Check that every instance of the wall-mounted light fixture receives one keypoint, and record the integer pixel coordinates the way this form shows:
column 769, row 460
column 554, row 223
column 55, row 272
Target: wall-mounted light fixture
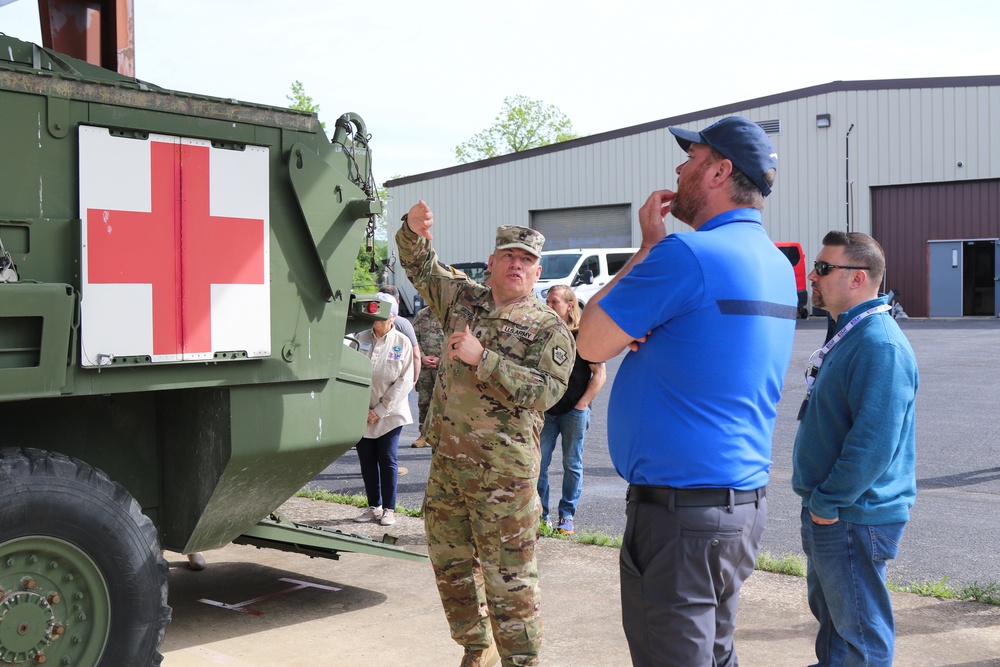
column 823, row 120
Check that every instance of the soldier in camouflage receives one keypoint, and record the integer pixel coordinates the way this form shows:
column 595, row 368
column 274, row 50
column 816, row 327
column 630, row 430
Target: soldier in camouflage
column 430, row 336
column 507, row 359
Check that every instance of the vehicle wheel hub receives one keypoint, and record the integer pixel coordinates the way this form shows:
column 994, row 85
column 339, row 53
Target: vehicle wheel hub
column 26, row 624
column 54, row 604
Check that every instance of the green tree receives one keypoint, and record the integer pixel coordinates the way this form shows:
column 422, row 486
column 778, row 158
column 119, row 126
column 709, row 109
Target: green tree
column 523, row 123
column 302, row 102
column 363, row 275
column 366, row 282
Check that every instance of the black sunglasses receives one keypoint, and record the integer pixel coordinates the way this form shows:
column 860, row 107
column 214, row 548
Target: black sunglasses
column 823, row 268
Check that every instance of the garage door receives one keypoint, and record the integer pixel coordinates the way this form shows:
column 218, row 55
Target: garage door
column 905, row 218
column 585, row 227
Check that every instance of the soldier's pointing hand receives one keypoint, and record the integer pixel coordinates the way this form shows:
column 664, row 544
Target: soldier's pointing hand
column 420, row 220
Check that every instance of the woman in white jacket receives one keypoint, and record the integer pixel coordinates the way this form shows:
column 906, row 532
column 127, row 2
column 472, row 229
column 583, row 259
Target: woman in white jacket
column 388, row 411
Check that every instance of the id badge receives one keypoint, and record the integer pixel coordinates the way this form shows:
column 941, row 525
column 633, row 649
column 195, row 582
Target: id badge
column 802, row 408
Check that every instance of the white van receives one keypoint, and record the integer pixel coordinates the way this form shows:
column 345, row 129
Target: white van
column 586, row 270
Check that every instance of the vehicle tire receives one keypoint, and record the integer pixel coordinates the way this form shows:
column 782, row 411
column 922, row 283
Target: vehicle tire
column 83, row 579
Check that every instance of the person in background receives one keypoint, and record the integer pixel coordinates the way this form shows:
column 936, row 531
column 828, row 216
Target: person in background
column 430, row 336
column 709, row 317
column 404, row 325
column 507, row 359
column 388, row 411
column 569, row 418
column 854, row 460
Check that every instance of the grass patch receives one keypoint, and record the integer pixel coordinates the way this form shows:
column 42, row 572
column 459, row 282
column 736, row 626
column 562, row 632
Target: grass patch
column 583, row 537
column 795, row 565
column 792, row 564
column 976, row 592
column 355, row 500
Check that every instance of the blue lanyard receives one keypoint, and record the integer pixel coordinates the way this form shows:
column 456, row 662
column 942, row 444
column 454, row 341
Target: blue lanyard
column 814, row 364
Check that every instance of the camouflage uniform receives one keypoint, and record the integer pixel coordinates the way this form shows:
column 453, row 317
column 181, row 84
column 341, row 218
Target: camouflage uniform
column 430, row 336
column 481, row 510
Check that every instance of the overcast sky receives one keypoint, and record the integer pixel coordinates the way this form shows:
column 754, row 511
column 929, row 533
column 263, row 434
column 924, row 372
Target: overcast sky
column 428, row 75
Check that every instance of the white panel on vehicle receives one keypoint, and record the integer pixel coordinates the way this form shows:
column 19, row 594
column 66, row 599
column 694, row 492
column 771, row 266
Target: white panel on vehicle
column 175, row 249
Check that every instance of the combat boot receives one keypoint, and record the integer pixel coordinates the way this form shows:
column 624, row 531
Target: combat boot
column 481, row 658
column 421, row 442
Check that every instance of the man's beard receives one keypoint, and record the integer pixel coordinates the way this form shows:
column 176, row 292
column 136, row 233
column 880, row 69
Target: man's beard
column 690, row 198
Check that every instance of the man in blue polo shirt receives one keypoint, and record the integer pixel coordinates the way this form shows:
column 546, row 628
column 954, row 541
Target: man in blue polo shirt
column 709, row 318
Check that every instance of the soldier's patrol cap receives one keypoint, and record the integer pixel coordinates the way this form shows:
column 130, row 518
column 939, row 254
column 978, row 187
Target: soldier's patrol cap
column 512, row 236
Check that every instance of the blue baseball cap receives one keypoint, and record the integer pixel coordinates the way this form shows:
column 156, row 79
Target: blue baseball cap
column 741, row 141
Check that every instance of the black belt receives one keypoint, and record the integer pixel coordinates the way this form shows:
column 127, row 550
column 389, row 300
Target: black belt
column 671, row 497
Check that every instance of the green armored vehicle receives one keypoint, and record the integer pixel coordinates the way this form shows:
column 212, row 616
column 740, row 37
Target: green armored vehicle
column 175, row 289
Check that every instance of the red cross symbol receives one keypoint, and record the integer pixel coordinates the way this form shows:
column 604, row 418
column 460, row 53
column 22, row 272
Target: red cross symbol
column 178, row 248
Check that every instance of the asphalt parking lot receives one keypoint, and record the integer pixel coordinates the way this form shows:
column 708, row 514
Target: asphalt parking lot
column 951, row 535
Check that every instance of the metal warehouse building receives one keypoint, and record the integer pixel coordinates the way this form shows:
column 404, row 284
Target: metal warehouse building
column 913, row 162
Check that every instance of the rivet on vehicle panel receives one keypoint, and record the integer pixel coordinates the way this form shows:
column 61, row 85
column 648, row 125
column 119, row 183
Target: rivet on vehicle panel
column 55, row 598
column 28, row 583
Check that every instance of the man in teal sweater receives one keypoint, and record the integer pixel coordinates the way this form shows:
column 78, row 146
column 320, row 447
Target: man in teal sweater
column 854, row 456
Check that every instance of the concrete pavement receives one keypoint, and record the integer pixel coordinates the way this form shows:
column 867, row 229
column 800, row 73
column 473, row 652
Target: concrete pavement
column 367, row 611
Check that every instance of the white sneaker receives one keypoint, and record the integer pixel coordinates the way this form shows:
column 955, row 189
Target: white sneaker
column 370, row 514
column 388, row 518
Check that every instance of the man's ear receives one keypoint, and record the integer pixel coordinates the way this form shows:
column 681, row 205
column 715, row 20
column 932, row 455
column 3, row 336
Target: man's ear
column 489, row 263
column 859, row 279
column 723, row 169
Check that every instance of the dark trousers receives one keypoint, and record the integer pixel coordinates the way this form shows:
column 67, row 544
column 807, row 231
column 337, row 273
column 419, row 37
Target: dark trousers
column 379, row 469
column 681, row 573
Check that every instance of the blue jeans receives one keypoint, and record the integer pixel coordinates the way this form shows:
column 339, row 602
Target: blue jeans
column 572, row 426
column 379, row 469
column 847, row 593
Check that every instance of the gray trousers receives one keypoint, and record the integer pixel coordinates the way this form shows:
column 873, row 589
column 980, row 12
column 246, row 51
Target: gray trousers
column 681, row 573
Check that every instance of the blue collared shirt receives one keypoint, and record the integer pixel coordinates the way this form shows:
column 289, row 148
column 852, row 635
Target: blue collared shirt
column 695, row 406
